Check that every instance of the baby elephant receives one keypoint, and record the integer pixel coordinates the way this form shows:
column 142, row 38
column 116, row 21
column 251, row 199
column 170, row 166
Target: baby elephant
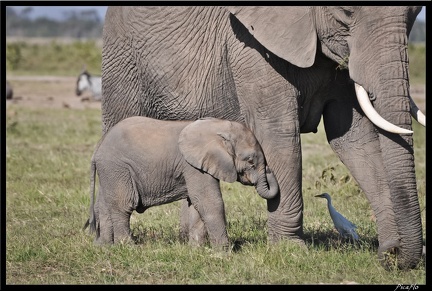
column 143, row 162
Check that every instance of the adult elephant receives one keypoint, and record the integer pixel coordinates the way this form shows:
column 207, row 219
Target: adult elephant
column 279, row 69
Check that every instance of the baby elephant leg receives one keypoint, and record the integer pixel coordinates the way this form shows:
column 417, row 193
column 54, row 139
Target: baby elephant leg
column 206, row 198
column 121, row 210
column 121, row 225
column 104, row 226
column 193, row 228
column 114, row 215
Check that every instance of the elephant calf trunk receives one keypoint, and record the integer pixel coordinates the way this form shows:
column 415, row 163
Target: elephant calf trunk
column 267, row 186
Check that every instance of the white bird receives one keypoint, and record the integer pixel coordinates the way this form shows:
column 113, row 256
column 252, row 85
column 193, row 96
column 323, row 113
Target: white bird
column 346, row 228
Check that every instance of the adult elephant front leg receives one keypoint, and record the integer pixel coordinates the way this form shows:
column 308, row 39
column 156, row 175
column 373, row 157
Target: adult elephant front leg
column 270, row 108
column 346, row 129
column 280, row 137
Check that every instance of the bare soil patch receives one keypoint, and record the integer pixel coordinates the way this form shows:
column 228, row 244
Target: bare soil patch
column 49, row 92
column 59, row 92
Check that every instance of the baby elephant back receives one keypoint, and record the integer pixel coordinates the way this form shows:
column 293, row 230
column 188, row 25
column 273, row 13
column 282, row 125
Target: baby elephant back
column 138, row 134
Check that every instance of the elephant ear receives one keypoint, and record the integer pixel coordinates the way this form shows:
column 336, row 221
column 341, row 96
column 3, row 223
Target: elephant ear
column 286, row 31
column 205, row 145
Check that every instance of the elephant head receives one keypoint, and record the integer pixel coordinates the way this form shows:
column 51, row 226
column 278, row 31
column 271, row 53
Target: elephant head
column 372, row 43
column 229, row 152
column 346, row 35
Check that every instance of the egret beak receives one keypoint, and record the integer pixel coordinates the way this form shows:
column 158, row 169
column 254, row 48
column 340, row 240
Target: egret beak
column 320, row 195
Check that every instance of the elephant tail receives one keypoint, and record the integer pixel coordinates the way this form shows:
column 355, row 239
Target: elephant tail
column 92, row 221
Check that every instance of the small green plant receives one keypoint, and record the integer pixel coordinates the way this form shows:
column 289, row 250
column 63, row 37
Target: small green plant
column 343, row 64
column 13, row 56
column 417, row 62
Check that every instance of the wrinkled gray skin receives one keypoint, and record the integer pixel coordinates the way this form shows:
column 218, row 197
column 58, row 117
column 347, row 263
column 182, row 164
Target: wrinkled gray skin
column 279, row 70
column 143, row 162
column 9, row 90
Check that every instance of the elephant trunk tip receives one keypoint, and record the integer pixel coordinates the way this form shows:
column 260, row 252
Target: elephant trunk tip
column 393, row 256
column 268, row 187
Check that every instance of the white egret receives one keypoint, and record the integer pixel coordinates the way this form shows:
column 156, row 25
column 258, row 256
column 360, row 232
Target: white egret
column 346, row 228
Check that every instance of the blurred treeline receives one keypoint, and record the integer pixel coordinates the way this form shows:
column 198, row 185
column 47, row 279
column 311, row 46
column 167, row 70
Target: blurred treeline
column 76, row 24
column 88, row 24
column 53, row 57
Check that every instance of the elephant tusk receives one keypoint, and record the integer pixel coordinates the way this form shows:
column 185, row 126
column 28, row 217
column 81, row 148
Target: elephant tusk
column 417, row 114
column 373, row 116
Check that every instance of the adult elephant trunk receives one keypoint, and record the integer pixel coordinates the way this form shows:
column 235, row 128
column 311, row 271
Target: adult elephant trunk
column 267, row 186
column 400, row 237
column 398, row 157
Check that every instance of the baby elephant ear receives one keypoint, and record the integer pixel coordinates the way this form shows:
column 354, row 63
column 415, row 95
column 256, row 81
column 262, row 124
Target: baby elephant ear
column 204, row 145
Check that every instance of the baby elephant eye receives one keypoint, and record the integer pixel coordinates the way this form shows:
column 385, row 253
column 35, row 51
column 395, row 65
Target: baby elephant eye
column 251, row 162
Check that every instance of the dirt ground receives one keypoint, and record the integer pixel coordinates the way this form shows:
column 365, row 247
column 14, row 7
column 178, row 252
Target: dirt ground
column 59, row 92
column 49, row 92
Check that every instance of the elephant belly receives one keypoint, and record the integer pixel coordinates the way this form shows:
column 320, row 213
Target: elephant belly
column 158, row 188
column 169, row 101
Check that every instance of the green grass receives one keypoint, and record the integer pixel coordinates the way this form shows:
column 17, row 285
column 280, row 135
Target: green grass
column 58, row 58
column 417, row 63
column 53, row 58
column 47, row 202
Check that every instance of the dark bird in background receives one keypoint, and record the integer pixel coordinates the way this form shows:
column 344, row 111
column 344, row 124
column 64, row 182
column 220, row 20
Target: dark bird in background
column 9, row 90
column 346, row 228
